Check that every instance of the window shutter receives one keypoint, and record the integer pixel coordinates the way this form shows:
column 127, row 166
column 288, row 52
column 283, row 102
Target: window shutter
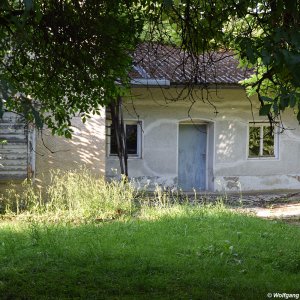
column 16, row 148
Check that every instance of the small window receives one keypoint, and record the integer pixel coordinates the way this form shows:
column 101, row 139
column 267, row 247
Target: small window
column 261, row 140
column 133, row 139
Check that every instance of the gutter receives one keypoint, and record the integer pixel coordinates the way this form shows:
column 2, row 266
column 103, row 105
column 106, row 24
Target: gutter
column 165, row 83
column 150, row 82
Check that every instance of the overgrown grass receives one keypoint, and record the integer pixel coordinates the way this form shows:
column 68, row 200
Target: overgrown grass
column 71, row 196
column 154, row 249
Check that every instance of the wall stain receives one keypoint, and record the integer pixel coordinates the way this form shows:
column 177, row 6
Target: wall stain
column 232, row 182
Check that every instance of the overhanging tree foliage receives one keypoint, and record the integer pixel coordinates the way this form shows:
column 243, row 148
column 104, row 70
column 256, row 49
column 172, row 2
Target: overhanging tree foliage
column 265, row 36
column 66, row 57
column 62, row 57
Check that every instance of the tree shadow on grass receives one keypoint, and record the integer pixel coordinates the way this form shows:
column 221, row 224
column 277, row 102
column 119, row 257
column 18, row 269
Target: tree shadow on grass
column 200, row 256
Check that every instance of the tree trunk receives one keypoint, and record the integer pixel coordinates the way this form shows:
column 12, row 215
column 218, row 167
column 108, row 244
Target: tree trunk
column 117, row 123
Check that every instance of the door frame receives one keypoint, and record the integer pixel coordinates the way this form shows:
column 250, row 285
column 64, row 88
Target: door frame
column 209, row 138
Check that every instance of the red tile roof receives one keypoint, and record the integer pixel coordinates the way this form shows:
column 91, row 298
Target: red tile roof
column 177, row 66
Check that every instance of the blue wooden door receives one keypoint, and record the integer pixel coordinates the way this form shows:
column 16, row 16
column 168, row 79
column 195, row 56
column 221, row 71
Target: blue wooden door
column 192, row 157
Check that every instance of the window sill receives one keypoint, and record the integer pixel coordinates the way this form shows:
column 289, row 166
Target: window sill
column 263, row 158
column 114, row 157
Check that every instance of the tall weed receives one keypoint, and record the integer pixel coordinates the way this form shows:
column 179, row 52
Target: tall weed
column 78, row 196
column 75, row 195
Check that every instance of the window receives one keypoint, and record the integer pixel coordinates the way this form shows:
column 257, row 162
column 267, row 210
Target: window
column 262, row 142
column 133, row 139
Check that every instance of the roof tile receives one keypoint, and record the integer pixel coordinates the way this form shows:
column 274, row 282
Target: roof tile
column 166, row 62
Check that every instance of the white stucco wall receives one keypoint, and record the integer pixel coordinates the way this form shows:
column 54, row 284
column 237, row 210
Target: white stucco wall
column 85, row 149
column 228, row 165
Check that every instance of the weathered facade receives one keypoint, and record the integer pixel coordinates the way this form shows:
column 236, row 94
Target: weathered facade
column 188, row 145
column 27, row 153
column 177, row 144
column 207, row 138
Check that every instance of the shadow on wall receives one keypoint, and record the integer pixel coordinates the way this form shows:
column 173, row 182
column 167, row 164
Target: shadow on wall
column 85, row 149
column 226, row 141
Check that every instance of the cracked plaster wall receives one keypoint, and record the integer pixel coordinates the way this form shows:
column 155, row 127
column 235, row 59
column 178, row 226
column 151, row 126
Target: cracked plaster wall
column 228, row 165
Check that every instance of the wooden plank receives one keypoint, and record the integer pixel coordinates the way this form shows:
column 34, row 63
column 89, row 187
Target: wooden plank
column 12, row 125
column 13, row 128
column 10, row 149
column 12, row 120
column 14, row 153
column 13, row 162
column 13, row 146
column 13, row 169
column 13, row 172
column 13, row 177
column 13, row 141
column 7, row 133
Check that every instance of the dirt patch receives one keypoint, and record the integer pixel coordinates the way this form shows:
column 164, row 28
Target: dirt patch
column 288, row 212
column 281, row 205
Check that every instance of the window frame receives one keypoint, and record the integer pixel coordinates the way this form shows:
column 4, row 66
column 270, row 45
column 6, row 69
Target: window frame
column 139, row 124
column 261, row 125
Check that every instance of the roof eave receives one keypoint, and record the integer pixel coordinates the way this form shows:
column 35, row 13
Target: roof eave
column 165, row 83
column 151, row 82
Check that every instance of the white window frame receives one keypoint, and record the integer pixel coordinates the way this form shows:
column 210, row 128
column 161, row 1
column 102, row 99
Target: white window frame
column 261, row 125
column 139, row 124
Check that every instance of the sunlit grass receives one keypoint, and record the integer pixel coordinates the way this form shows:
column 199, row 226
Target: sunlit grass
column 145, row 249
column 71, row 196
column 187, row 253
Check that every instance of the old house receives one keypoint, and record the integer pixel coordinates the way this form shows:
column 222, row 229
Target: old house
column 208, row 137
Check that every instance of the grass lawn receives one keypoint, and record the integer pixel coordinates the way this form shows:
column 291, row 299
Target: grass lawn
column 181, row 252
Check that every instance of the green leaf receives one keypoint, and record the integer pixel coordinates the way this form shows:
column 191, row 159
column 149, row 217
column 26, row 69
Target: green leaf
column 168, row 4
column 266, row 99
column 266, row 57
column 28, row 5
column 37, row 118
column 292, row 100
column 298, row 116
column 265, row 109
column 68, row 134
column 1, row 108
column 284, row 101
